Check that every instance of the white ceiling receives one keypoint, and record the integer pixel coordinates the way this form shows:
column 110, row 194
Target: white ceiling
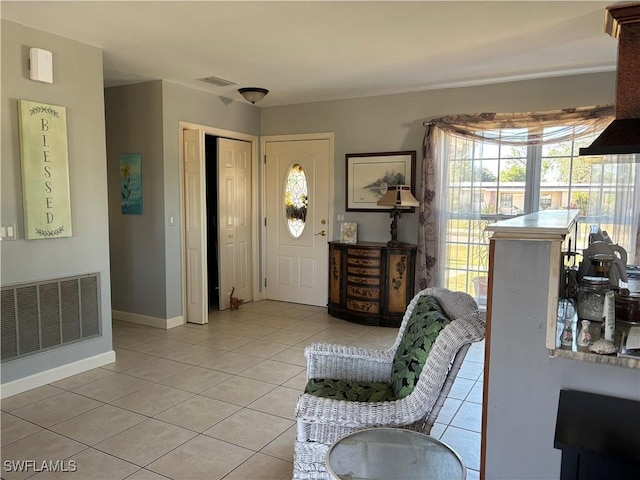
column 307, row 51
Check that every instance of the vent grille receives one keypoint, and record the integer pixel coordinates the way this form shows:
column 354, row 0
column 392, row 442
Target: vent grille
column 49, row 314
column 217, row 81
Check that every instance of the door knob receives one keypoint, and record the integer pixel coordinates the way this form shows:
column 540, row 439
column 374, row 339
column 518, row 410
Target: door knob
column 322, row 233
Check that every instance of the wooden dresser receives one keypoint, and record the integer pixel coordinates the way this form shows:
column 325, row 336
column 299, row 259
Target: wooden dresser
column 370, row 283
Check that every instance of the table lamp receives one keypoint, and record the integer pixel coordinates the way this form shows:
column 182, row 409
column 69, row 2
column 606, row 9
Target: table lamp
column 399, row 197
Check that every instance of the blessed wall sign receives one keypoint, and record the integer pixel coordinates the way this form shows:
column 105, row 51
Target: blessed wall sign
column 45, row 170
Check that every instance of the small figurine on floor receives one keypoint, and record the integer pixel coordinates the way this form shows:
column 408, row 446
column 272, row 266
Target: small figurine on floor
column 234, row 302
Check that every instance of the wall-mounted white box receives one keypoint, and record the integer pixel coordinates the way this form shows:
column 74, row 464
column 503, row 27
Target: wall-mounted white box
column 40, row 65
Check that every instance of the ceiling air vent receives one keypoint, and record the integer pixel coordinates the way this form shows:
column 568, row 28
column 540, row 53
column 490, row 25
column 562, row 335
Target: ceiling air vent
column 217, row 81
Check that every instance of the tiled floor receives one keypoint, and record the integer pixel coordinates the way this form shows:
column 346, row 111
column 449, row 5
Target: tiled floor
column 203, row 401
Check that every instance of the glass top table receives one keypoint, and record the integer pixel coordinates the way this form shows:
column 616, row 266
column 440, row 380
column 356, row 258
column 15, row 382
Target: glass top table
column 393, row 454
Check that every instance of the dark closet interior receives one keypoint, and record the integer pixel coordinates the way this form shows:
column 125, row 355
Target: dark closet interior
column 211, row 179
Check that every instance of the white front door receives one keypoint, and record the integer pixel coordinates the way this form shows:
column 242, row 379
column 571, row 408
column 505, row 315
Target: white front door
column 296, row 246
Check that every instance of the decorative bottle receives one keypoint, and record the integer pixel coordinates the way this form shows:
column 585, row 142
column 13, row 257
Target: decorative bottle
column 584, row 337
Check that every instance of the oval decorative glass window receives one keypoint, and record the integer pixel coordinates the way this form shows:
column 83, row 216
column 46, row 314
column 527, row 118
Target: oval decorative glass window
column 296, row 200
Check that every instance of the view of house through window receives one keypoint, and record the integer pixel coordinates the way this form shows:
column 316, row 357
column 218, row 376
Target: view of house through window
column 488, row 182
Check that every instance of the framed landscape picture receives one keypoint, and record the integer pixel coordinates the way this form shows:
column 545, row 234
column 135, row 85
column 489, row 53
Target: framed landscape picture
column 369, row 174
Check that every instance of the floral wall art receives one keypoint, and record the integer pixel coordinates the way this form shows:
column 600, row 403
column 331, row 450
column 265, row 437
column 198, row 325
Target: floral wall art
column 131, row 184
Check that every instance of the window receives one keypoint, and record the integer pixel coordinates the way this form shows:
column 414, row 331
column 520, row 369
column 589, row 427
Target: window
column 488, row 182
column 296, row 200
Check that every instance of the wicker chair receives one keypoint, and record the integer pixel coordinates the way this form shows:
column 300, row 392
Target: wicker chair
column 322, row 421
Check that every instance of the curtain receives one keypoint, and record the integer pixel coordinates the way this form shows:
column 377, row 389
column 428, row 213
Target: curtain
column 517, row 129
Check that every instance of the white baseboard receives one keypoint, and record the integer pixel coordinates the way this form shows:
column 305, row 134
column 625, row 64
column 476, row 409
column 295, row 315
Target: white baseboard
column 53, row 375
column 164, row 323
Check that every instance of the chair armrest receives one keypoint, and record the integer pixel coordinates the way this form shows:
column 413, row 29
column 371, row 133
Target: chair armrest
column 346, row 362
column 340, row 414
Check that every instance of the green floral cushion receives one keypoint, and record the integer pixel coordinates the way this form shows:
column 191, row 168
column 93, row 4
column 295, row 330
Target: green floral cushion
column 355, row 391
column 424, row 325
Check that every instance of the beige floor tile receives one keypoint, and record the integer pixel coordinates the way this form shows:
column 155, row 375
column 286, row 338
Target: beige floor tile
column 97, row 425
column 187, row 335
column 145, row 442
column 41, row 446
column 217, row 326
column 298, row 382
column 92, row 464
column 282, row 446
column 159, row 347
column 272, row 372
column 228, row 381
column 249, row 429
column 152, row 400
column 194, row 354
column 14, row 428
column 156, row 370
column 232, row 362
column 198, row 413
column 126, row 359
column 292, row 355
column 239, row 390
column 196, row 379
column 26, row 398
column 276, row 322
column 128, row 338
column 253, row 331
column 201, row 458
column 262, row 467
column 112, row 387
column 288, row 337
column 144, row 474
column 225, row 341
column 260, row 348
column 56, row 409
column 75, row 381
column 280, row 401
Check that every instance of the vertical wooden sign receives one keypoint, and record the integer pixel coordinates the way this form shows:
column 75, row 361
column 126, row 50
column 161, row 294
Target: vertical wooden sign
column 45, row 170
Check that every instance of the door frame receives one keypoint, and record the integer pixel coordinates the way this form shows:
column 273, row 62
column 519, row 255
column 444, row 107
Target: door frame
column 263, row 149
column 257, row 292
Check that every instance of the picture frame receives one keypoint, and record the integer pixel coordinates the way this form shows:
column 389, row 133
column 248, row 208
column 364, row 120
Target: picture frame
column 368, row 174
column 131, row 184
column 349, row 232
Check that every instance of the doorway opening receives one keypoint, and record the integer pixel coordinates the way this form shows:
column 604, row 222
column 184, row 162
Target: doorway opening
column 211, row 189
column 220, row 228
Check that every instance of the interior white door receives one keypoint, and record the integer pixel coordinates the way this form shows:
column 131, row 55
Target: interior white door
column 234, row 220
column 297, row 263
column 195, row 227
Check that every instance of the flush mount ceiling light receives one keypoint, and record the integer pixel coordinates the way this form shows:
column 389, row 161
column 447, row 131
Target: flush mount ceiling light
column 253, row 94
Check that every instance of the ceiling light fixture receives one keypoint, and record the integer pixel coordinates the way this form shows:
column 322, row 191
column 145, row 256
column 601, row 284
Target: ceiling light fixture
column 253, row 94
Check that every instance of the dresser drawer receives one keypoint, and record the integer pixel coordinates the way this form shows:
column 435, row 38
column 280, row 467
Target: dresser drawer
column 365, row 280
column 366, row 292
column 360, row 306
column 363, row 252
column 363, row 271
column 364, row 262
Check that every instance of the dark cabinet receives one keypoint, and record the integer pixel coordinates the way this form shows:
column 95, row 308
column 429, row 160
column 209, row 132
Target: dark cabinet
column 370, row 283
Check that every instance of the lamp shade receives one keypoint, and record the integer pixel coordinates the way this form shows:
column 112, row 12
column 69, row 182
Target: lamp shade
column 253, row 94
column 398, row 196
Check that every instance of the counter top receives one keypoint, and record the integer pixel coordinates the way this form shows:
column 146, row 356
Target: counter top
column 628, row 362
column 544, row 225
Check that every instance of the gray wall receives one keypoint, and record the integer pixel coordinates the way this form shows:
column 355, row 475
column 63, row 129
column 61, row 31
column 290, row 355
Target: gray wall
column 78, row 86
column 146, row 255
column 394, row 123
column 134, row 125
column 524, row 383
column 188, row 105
